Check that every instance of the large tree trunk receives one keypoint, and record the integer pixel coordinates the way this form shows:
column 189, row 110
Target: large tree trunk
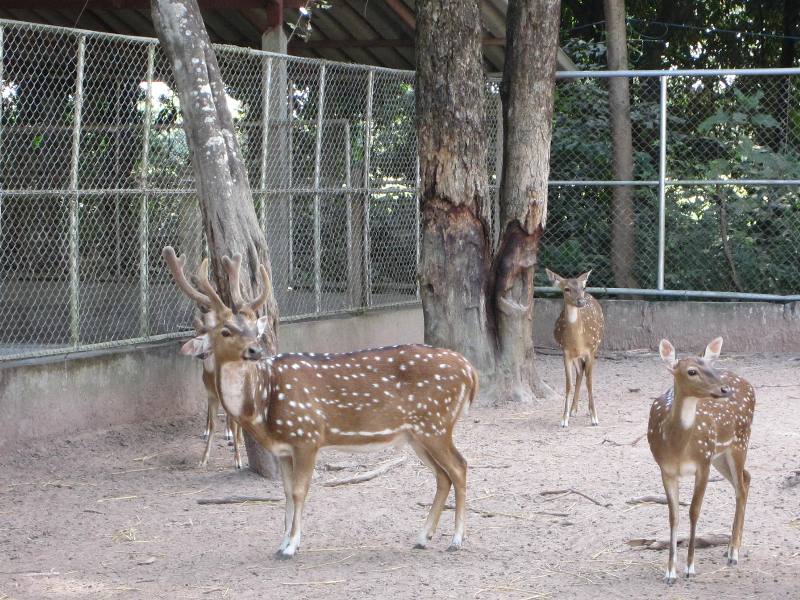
column 223, row 189
column 479, row 306
column 455, row 253
column 622, row 235
column 528, row 85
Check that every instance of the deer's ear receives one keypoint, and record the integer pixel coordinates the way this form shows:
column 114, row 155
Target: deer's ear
column 262, row 324
column 713, row 349
column 554, row 278
column 667, row 352
column 582, row 279
column 197, row 346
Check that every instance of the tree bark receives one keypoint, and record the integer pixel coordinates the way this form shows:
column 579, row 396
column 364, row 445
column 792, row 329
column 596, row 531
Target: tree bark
column 223, row 190
column 622, row 234
column 472, row 303
column 455, row 252
column 532, row 28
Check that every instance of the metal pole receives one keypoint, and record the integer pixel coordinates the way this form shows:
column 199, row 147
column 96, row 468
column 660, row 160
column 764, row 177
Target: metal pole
column 367, row 196
column 2, row 61
column 417, row 224
column 290, row 115
column 74, row 247
column 684, row 294
column 267, row 86
column 317, row 216
column 144, row 218
column 662, row 176
column 349, row 200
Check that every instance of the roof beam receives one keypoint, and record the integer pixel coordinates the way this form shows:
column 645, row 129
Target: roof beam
column 403, row 13
column 379, row 43
column 140, row 4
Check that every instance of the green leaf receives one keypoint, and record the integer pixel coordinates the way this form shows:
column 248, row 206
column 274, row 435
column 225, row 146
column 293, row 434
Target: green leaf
column 765, row 120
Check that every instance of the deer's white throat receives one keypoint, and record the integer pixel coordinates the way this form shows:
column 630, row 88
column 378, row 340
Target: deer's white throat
column 572, row 313
column 688, row 411
column 233, row 376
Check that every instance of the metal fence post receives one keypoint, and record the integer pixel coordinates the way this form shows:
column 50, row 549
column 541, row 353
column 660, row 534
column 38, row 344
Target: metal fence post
column 267, row 86
column 417, row 224
column 662, row 176
column 144, row 217
column 367, row 195
column 348, row 184
column 317, row 175
column 2, row 63
column 74, row 242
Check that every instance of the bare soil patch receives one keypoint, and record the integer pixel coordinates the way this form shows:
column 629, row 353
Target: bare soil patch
column 115, row 514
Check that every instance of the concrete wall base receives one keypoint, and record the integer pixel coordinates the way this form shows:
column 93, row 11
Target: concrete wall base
column 55, row 396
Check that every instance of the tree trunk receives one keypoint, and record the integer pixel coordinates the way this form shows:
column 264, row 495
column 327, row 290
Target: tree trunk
column 455, row 253
column 223, row 190
column 527, row 90
column 471, row 303
column 622, row 234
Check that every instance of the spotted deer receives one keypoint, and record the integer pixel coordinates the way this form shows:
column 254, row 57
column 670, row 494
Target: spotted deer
column 296, row 404
column 579, row 331
column 198, row 347
column 703, row 420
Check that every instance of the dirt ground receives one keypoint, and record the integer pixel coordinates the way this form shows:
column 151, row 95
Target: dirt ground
column 115, row 514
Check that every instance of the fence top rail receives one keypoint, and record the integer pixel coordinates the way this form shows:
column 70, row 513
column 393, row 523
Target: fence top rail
column 675, row 73
column 71, row 31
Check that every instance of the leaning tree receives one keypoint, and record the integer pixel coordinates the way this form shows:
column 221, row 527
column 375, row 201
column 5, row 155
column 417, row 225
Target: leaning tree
column 226, row 204
column 476, row 300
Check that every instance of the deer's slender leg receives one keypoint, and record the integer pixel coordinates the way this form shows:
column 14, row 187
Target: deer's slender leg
column 211, row 425
column 449, row 458
column 303, row 459
column 443, row 484
column 567, row 390
column 671, row 488
column 580, row 367
column 589, row 370
column 741, row 485
column 229, row 425
column 700, row 483
column 286, row 474
column 235, row 434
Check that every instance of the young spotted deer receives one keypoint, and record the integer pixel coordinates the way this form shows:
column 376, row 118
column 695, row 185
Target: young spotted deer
column 703, row 420
column 199, row 347
column 295, row 404
column 578, row 330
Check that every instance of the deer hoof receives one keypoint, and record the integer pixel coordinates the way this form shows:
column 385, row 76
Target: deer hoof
column 284, row 555
column 420, row 546
column 454, row 547
column 689, row 571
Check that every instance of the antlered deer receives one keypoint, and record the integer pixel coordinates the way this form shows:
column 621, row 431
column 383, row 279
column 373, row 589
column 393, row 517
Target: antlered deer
column 199, row 347
column 579, row 331
column 703, row 420
column 295, row 404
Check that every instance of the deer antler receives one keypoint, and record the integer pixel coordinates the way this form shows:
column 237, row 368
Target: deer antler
column 232, row 266
column 176, row 266
column 201, row 280
column 262, row 298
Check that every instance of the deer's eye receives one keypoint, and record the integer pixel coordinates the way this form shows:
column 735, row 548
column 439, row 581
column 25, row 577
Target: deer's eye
column 691, row 372
column 225, row 332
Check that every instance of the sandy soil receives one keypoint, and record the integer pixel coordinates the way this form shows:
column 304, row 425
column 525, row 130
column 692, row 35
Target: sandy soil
column 115, row 514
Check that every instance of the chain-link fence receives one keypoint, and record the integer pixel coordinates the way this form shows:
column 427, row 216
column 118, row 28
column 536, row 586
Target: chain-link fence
column 95, row 180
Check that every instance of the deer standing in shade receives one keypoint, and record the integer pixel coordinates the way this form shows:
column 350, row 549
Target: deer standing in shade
column 703, row 420
column 579, row 331
column 199, row 347
column 295, row 404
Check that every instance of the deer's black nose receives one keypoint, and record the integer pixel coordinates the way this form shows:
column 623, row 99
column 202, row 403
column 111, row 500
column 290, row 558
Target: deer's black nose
column 725, row 391
column 253, row 352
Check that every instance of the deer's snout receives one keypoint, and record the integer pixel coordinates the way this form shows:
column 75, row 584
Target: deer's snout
column 253, row 352
column 580, row 302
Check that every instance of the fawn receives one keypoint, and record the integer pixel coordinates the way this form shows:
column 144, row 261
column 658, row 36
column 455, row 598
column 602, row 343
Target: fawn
column 295, row 404
column 703, row 420
column 578, row 330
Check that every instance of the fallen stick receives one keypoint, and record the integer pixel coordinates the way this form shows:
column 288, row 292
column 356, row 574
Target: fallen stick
column 651, row 500
column 573, row 491
column 367, row 475
column 237, row 500
column 701, row 541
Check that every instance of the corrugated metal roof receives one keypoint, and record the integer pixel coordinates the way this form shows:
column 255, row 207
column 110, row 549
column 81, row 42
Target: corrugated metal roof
column 376, row 32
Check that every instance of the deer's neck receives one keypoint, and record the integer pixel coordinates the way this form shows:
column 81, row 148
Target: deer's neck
column 571, row 313
column 682, row 414
column 241, row 390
